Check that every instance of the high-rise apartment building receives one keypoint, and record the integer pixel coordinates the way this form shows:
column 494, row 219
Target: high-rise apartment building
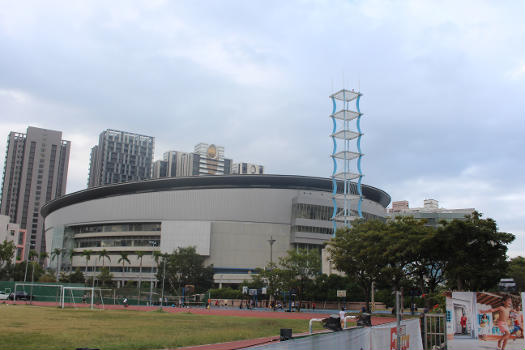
column 176, row 164
column 206, row 160
column 211, row 160
column 120, row 156
column 35, row 172
column 247, row 168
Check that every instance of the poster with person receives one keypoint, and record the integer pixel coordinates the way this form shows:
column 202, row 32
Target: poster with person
column 485, row 317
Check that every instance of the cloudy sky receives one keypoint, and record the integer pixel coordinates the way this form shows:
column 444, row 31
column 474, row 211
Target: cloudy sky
column 443, row 84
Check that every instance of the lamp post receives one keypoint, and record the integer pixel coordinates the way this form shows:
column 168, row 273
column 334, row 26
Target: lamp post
column 271, row 241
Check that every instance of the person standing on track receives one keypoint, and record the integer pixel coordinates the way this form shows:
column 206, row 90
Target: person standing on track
column 342, row 314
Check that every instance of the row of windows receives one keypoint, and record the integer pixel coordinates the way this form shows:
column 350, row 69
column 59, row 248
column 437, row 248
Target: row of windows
column 126, row 227
column 138, row 241
column 119, row 269
column 321, row 212
column 312, row 212
column 313, row 229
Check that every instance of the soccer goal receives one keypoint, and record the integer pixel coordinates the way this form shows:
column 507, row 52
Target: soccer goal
column 40, row 292
column 82, row 295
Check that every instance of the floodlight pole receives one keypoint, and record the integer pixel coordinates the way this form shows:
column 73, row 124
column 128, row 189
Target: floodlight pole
column 150, row 292
column 32, row 281
column 163, row 278
column 25, row 273
column 94, row 272
column 271, row 241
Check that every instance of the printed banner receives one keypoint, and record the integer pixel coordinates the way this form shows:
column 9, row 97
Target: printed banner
column 487, row 317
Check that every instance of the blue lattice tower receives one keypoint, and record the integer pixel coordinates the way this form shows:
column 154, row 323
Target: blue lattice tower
column 346, row 149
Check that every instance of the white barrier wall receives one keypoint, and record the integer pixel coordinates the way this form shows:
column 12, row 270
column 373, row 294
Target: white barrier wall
column 385, row 336
column 370, row 338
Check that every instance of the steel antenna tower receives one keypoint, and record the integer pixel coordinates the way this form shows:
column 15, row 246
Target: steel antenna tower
column 342, row 157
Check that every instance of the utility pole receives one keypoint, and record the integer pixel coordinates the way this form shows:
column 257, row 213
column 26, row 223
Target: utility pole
column 271, row 241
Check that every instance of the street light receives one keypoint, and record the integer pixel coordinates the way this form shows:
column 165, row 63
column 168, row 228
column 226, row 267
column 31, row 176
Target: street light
column 271, row 241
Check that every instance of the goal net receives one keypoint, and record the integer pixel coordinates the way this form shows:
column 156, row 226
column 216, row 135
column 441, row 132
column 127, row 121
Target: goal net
column 82, row 296
column 30, row 292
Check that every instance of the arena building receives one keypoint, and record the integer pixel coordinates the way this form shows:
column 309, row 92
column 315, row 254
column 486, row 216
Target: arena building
column 230, row 219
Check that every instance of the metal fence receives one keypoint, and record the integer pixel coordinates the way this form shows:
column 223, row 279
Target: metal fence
column 434, row 332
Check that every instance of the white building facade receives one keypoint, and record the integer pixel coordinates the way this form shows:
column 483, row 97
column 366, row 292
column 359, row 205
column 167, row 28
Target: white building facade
column 229, row 219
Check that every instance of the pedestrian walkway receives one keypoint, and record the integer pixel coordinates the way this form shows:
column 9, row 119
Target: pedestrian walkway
column 471, row 344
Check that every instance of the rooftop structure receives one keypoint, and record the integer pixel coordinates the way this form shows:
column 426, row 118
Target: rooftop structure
column 430, row 211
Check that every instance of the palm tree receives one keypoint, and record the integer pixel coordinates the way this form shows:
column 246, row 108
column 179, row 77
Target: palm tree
column 57, row 253
column 156, row 256
column 32, row 254
column 140, row 255
column 123, row 259
column 42, row 257
column 70, row 254
column 103, row 254
column 87, row 254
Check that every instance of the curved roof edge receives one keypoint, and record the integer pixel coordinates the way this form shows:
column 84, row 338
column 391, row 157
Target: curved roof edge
column 208, row 182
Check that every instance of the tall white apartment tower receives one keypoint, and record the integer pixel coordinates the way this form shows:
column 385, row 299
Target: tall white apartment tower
column 120, row 156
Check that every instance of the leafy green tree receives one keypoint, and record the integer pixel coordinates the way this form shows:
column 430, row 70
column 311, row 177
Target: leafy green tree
column 226, row 293
column 300, row 267
column 185, row 267
column 353, row 252
column 476, row 252
column 76, row 277
column 401, row 247
column 7, row 252
column 516, row 270
column 427, row 269
column 47, row 277
column 325, row 287
column 275, row 279
column 105, row 277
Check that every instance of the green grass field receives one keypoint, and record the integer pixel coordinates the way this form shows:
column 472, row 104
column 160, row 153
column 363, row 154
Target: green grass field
column 33, row 327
